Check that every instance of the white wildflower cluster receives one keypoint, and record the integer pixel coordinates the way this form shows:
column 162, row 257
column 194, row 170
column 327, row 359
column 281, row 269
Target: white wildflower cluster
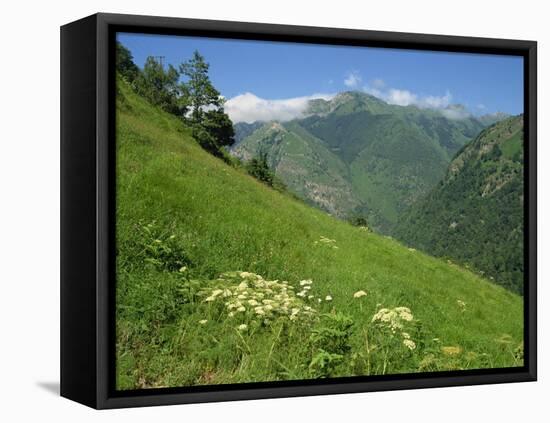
column 395, row 320
column 323, row 240
column 250, row 297
column 461, row 305
column 407, row 341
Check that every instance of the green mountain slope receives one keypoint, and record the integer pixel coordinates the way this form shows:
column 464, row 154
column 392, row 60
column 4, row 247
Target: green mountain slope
column 475, row 215
column 304, row 164
column 382, row 156
column 179, row 206
column 243, row 130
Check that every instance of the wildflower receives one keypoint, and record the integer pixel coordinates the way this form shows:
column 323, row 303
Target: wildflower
column 409, row 344
column 260, row 299
column 461, row 304
column 405, row 335
column 328, row 298
column 393, row 319
column 451, row 350
column 404, row 313
column 243, row 327
column 203, row 322
column 183, row 269
column 327, row 241
column 504, row 339
column 319, row 300
column 359, row 294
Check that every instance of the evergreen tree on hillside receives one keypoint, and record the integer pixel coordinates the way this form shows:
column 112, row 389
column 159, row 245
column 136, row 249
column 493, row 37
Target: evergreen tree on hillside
column 125, row 63
column 258, row 168
column 212, row 127
column 198, row 91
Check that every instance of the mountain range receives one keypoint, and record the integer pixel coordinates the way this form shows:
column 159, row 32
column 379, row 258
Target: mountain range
column 475, row 214
column 357, row 155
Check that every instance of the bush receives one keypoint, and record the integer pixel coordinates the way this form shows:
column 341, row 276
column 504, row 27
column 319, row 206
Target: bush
column 331, row 343
column 161, row 249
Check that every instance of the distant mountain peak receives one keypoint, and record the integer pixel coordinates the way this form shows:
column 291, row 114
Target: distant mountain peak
column 347, row 102
column 492, row 118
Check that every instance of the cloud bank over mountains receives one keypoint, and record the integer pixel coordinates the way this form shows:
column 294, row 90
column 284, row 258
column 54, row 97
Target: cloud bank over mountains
column 249, row 108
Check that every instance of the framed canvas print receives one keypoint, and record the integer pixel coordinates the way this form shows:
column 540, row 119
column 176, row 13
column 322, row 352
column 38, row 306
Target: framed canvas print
column 254, row 211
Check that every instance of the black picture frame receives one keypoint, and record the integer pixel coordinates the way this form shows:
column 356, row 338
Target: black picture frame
column 87, row 209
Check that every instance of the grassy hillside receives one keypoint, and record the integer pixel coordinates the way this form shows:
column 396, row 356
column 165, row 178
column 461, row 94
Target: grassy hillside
column 376, row 307
column 475, row 214
column 380, row 157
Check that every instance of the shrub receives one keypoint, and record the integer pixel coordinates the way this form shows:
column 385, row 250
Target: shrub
column 331, row 343
column 161, row 249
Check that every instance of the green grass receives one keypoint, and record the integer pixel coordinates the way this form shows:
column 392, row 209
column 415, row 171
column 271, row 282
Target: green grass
column 177, row 205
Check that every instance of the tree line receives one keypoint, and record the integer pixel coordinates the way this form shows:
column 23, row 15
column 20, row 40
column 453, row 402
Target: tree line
column 186, row 92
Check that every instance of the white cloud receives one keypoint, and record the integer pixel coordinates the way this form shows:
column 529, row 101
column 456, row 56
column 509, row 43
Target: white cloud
column 400, row 97
column 249, row 108
column 455, row 112
column 353, row 79
column 435, row 102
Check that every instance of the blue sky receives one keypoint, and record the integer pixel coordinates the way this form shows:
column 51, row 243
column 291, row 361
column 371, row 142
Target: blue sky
column 277, row 77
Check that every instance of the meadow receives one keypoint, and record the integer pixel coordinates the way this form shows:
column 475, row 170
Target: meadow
column 222, row 279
